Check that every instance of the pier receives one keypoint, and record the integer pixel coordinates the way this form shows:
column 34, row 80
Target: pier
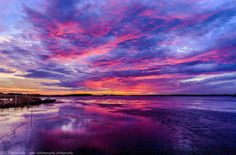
column 21, row 100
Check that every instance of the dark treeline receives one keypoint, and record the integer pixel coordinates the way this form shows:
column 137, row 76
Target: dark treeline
column 142, row 95
column 10, row 95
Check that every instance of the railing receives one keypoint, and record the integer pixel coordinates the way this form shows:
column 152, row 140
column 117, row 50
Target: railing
column 15, row 100
column 8, row 101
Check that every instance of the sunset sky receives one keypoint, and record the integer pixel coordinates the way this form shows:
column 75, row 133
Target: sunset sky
column 118, row 46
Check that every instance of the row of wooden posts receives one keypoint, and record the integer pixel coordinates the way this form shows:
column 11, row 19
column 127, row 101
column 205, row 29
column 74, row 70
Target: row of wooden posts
column 14, row 100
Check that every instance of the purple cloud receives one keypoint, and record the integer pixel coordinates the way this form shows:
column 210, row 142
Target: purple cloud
column 135, row 46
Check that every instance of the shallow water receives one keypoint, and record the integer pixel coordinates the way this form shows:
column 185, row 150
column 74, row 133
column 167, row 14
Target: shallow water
column 122, row 125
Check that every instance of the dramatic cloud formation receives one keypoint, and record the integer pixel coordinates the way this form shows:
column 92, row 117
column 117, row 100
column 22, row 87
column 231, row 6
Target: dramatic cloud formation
column 125, row 46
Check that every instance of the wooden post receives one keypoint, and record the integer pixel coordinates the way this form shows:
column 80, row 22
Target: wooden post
column 27, row 99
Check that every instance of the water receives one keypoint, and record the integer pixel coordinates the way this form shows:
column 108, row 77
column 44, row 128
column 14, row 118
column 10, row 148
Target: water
column 122, row 125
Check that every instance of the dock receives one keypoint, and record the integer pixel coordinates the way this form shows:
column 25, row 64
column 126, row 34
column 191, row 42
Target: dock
column 21, row 100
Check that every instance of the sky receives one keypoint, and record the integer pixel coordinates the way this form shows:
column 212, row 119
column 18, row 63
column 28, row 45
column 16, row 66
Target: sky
column 118, row 47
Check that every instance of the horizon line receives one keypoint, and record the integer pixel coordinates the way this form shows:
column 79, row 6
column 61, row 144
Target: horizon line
column 91, row 94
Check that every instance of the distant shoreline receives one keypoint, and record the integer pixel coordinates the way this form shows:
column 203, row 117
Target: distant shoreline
column 151, row 95
column 99, row 95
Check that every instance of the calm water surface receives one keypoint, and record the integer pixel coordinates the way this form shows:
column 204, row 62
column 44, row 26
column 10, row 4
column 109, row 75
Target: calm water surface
column 123, row 125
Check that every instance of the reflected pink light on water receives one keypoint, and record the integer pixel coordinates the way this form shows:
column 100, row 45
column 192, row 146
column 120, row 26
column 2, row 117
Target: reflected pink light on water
column 113, row 125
